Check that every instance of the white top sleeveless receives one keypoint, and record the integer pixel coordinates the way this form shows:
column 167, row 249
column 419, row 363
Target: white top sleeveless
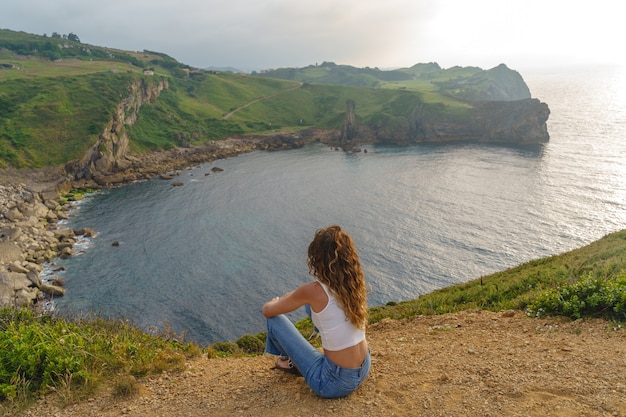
column 336, row 330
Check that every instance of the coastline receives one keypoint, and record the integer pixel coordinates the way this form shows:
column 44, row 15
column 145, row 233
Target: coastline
column 32, row 206
column 32, row 203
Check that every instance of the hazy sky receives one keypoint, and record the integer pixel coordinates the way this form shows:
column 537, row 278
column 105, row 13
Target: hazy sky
column 261, row 34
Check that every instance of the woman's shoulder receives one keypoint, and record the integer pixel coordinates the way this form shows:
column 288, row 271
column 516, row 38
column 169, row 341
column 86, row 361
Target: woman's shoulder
column 313, row 288
column 315, row 295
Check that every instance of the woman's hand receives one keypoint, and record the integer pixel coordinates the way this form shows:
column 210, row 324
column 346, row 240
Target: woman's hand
column 272, row 308
column 291, row 301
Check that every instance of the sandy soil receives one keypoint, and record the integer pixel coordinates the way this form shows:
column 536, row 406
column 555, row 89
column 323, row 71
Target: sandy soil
column 473, row 363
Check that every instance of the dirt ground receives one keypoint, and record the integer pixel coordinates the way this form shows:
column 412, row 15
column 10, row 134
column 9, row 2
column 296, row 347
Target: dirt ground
column 473, row 363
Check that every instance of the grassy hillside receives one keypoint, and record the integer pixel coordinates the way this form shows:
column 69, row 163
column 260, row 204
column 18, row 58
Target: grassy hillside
column 49, row 120
column 331, row 73
column 469, row 84
column 56, row 96
column 519, row 287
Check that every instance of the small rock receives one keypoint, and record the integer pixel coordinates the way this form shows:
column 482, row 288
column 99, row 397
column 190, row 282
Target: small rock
column 34, row 277
column 66, row 253
column 52, row 290
column 17, row 267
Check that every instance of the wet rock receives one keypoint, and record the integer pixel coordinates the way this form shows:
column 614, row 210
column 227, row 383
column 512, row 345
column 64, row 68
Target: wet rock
column 52, row 290
column 63, row 233
column 64, row 244
column 66, row 253
column 86, row 232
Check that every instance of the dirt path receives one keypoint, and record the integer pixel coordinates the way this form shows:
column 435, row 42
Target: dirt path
column 466, row 364
column 256, row 100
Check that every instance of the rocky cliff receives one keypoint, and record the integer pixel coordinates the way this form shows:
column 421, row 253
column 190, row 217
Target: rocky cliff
column 111, row 151
column 512, row 122
column 520, row 122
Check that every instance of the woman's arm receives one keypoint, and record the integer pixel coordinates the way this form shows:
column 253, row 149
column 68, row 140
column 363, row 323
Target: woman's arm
column 289, row 302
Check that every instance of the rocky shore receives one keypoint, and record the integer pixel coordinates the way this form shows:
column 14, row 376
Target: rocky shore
column 30, row 236
column 32, row 207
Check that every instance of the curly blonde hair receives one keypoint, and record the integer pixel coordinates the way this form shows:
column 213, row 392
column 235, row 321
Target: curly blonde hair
column 334, row 261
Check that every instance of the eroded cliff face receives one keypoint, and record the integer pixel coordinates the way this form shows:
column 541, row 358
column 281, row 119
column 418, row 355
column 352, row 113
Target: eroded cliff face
column 520, row 122
column 515, row 122
column 111, row 151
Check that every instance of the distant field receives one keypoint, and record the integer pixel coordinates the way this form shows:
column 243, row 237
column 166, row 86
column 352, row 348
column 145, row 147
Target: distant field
column 38, row 67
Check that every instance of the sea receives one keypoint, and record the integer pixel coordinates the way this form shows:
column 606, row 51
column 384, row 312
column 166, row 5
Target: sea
column 201, row 259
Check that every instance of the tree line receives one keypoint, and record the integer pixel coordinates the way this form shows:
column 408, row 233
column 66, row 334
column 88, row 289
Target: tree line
column 70, row 36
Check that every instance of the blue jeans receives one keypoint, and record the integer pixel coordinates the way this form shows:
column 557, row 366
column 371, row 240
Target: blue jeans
column 324, row 377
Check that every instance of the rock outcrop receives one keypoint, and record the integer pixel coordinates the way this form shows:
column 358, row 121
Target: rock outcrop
column 110, row 153
column 520, row 122
column 349, row 129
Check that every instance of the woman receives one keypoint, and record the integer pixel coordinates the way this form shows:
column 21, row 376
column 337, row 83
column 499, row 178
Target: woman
column 337, row 303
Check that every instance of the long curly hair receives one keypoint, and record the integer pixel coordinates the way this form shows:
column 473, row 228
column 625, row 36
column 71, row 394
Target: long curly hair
column 334, row 261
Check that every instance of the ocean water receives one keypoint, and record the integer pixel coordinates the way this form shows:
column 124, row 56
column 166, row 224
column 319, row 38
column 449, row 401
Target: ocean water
column 204, row 257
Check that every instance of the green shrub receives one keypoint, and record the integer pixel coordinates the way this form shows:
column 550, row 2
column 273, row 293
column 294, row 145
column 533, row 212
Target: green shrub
column 589, row 297
column 251, row 344
column 225, row 347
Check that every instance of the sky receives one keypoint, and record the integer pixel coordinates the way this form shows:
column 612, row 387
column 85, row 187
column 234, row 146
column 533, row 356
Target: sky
column 263, row 34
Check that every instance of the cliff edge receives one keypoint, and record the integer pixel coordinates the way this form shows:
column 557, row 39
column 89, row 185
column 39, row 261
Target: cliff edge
column 512, row 122
column 471, row 363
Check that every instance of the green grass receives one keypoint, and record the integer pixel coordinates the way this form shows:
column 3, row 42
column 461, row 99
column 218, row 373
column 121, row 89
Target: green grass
column 50, row 120
column 71, row 357
column 518, row 287
column 36, row 67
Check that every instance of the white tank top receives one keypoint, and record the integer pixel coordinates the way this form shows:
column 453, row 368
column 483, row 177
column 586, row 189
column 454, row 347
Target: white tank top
column 336, row 330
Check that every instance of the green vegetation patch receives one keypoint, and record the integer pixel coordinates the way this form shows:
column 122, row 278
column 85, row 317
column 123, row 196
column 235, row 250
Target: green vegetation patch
column 591, row 296
column 40, row 352
column 519, row 287
column 49, row 121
